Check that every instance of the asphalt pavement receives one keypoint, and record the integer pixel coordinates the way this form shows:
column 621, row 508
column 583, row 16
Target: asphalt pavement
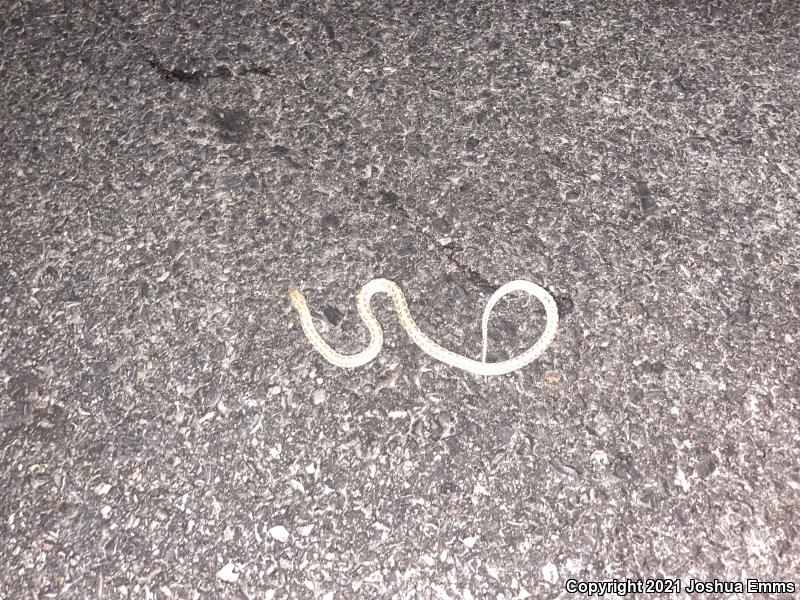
column 171, row 169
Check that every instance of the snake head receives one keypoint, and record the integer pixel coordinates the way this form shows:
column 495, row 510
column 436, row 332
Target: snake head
column 295, row 296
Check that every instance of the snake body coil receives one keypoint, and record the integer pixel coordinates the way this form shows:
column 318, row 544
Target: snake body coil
column 427, row 345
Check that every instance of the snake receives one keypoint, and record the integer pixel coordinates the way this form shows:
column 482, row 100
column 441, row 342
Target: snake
column 425, row 343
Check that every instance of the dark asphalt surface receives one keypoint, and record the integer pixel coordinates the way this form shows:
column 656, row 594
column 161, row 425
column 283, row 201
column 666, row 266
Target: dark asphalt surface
column 170, row 170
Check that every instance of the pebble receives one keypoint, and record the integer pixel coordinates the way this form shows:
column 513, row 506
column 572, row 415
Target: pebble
column 102, row 489
column 279, row 533
column 227, row 574
column 550, row 573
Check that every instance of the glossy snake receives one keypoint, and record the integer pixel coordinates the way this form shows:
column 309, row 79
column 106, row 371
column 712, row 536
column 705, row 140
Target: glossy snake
column 427, row 345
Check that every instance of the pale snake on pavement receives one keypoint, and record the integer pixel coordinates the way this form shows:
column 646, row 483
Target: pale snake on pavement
column 427, row 345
